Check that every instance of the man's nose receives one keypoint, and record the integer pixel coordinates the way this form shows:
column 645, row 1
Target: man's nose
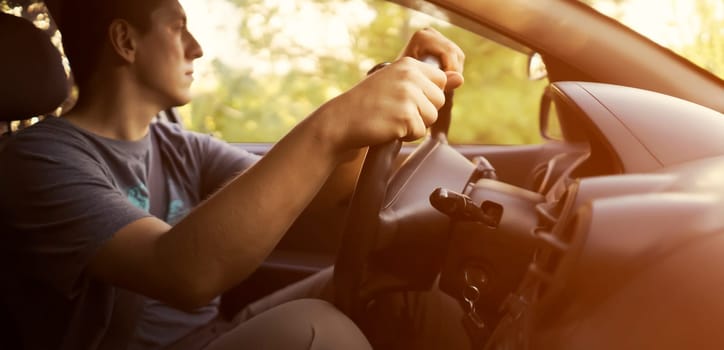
column 193, row 49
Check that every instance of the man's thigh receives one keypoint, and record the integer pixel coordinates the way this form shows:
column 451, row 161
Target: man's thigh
column 317, row 286
column 420, row 320
column 300, row 324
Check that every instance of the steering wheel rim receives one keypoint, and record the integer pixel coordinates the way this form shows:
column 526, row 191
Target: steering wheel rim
column 363, row 218
column 362, row 221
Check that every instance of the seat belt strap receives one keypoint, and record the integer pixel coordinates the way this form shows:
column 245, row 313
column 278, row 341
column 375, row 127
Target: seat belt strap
column 156, row 184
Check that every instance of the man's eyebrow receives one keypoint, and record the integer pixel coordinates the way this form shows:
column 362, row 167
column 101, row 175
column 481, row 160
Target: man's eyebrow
column 178, row 14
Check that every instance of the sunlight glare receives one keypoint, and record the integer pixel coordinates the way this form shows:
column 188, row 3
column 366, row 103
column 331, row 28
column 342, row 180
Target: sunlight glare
column 670, row 23
column 215, row 23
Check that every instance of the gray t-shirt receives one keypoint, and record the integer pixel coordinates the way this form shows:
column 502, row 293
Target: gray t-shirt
column 64, row 192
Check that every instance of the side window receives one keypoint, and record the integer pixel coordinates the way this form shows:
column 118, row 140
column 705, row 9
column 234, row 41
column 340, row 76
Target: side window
column 269, row 64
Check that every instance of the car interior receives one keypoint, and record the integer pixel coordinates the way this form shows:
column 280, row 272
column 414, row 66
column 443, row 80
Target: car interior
column 514, row 233
column 34, row 59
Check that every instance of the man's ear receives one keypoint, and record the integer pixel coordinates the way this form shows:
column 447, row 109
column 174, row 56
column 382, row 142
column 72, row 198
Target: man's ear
column 122, row 36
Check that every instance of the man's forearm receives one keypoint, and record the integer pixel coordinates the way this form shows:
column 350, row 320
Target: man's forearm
column 232, row 232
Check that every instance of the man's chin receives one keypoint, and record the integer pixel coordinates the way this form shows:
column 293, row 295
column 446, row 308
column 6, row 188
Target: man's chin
column 178, row 101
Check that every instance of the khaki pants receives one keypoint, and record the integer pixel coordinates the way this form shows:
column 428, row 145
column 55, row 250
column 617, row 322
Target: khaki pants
column 300, row 316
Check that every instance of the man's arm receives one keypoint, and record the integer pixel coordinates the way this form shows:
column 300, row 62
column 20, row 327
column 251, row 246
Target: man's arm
column 224, row 239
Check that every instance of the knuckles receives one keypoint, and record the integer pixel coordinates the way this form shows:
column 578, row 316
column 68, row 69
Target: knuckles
column 406, row 68
column 404, row 90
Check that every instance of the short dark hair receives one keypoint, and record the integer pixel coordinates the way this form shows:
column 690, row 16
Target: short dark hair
column 84, row 24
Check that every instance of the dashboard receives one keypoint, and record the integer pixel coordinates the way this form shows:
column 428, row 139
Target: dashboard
column 585, row 253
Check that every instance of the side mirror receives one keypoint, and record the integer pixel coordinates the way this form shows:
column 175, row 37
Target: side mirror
column 549, row 124
column 536, row 67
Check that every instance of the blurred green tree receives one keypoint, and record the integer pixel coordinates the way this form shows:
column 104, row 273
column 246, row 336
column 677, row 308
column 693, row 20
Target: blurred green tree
column 496, row 105
column 707, row 49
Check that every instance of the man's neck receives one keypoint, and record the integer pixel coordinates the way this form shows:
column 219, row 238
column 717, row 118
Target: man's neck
column 114, row 111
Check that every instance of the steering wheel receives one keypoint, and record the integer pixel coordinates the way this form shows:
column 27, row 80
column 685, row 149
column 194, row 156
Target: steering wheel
column 375, row 192
column 360, row 232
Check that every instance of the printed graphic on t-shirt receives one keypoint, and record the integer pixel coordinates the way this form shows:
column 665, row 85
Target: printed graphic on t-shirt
column 176, row 211
column 138, row 196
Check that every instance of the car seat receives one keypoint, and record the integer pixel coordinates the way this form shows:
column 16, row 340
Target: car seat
column 32, row 79
column 32, row 83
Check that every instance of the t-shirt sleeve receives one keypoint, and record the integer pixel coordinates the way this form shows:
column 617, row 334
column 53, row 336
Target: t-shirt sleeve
column 221, row 162
column 60, row 206
column 202, row 160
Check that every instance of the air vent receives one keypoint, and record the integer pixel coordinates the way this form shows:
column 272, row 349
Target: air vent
column 554, row 233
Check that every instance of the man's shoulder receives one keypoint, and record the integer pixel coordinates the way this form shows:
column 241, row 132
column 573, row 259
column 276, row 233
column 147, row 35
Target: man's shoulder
column 50, row 139
column 49, row 132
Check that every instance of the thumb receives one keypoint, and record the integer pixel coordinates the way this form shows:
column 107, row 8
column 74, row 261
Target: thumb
column 454, row 80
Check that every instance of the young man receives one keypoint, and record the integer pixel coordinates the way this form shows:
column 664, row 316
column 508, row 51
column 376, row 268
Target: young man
column 105, row 205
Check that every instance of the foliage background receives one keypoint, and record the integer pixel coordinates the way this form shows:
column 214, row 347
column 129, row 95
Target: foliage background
column 497, row 104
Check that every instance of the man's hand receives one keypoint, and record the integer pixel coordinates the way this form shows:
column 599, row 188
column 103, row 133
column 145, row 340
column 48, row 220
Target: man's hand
column 399, row 101
column 429, row 42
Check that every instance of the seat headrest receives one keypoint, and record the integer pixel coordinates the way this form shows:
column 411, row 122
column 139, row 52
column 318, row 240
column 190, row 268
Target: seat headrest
column 32, row 78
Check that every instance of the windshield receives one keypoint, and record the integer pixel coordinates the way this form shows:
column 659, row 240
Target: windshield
column 693, row 29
